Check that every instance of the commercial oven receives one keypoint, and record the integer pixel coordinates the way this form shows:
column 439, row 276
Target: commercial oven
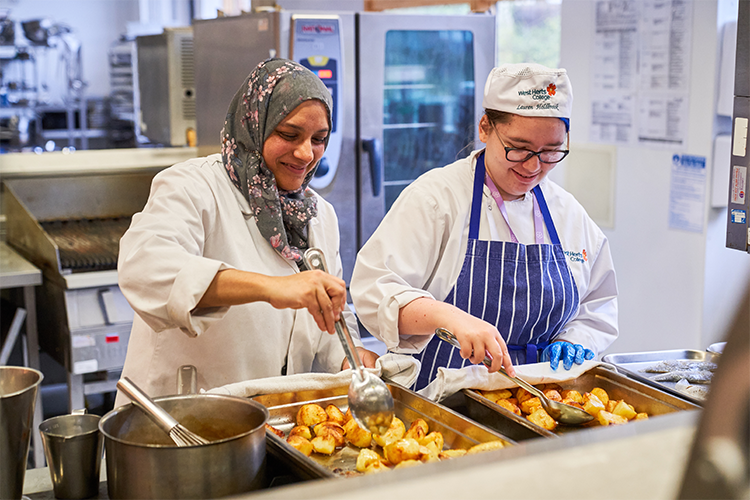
column 407, row 93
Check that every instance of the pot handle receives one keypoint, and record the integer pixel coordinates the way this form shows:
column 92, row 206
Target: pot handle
column 187, row 380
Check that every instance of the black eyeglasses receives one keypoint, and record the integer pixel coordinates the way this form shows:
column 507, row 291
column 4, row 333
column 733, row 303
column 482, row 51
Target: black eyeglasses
column 518, row 155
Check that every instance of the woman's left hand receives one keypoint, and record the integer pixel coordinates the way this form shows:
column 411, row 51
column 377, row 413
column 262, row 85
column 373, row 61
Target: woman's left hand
column 568, row 352
column 368, row 358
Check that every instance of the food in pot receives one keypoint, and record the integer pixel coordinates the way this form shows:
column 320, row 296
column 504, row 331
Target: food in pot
column 595, row 402
column 398, row 447
column 276, row 431
column 692, row 376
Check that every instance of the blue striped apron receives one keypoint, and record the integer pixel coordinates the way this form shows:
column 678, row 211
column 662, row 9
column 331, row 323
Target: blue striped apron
column 526, row 291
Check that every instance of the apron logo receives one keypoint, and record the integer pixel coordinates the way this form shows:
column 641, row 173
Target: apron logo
column 577, row 256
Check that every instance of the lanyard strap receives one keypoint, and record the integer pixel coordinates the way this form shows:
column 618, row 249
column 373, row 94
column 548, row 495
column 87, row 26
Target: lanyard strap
column 540, row 206
column 538, row 220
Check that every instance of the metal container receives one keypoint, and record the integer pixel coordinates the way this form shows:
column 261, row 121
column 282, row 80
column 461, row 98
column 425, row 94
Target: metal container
column 18, row 392
column 457, row 431
column 643, row 397
column 633, row 364
column 143, row 462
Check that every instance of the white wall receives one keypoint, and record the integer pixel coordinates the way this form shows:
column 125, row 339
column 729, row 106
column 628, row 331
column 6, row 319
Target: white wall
column 678, row 289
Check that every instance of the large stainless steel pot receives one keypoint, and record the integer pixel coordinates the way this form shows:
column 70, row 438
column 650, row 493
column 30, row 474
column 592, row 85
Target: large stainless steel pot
column 143, row 462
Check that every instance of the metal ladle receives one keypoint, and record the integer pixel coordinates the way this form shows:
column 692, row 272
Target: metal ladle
column 563, row 413
column 370, row 401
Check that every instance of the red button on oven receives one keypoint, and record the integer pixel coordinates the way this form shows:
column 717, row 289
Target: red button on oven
column 112, row 338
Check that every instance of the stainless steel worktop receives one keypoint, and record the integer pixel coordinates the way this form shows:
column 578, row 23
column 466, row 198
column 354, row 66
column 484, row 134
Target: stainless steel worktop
column 644, row 459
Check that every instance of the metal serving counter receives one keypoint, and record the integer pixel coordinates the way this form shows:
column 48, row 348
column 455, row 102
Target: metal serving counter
column 644, row 459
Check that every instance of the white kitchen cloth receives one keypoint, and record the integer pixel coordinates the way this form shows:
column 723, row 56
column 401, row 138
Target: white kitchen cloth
column 397, row 368
column 451, row 380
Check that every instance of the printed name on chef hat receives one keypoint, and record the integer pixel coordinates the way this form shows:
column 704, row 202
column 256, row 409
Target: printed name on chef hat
column 529, row 89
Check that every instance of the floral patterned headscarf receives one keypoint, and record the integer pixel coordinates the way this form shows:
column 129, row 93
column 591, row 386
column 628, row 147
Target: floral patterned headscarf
column 269, row 94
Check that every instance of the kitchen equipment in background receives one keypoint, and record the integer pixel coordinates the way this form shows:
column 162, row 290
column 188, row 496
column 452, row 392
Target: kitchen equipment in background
column 166, row 87
column 70, row 226
column 142, row 461
column 73, row 446
column 18, row 392
column 406, row 89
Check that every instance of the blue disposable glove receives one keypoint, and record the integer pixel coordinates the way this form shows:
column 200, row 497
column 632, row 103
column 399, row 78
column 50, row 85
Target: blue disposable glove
column 569, row 353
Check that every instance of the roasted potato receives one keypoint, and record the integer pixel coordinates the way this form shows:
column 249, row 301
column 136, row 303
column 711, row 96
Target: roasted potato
column 331, row 429
column 365, row 458
column 530, row 405
column 601, row 394
column 508, row 405
column 488, row 446
column 376, row 467
column 592, row 404
column 348, row 415
column 494, row 396
column 610, row 405
column 403, row 449
column 301, row 430
column 553, row 395
column 445, row 454
column 550, row 387
column 572, row 402
column 303, row 445
column 311, row 414
column 335, row 415
column 396, row 431
column 624, row 410
column 542, row 419
column 607, row 418
column 434, row 438
column 325, row 445
column 572, row 395
column 356, row 435
column 418, row 429
column 522, row 395
column 641, row 416
column 276, row 431
column 428, row 453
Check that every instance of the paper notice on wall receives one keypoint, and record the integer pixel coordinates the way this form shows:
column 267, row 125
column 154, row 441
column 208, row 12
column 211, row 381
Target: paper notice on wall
column 641, row 72
column 687, row 193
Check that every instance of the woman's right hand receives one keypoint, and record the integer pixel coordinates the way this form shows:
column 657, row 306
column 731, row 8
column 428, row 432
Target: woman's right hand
column 322, row 294
column 477, row 337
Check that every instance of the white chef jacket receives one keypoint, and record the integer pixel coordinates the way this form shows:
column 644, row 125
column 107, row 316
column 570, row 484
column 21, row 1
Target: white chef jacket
column 419, row 247
column 196, row 223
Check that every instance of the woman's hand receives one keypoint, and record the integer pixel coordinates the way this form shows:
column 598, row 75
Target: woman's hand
column 322, row 294
column 477, row 337
column 368, row 358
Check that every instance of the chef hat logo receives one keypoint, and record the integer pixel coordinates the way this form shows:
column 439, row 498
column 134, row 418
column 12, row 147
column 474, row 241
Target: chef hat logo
column 529, row 89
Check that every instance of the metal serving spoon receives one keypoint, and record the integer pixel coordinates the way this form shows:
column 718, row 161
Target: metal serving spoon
column 370, row 400
column 563, row 413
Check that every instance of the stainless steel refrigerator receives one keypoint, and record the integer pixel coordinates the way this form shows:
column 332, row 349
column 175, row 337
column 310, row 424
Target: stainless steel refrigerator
column 407, row 93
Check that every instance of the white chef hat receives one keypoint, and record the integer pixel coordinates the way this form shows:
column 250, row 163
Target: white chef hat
column 529, row 89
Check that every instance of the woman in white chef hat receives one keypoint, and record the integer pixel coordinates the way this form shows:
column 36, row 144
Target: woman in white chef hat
column 490, row 249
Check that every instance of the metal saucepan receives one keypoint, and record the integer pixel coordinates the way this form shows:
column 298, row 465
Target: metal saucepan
column 143, row 462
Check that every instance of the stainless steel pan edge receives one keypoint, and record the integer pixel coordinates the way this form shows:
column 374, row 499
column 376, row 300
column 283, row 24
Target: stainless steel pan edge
column 627, row 363
column 644, row 397
column 457, row 430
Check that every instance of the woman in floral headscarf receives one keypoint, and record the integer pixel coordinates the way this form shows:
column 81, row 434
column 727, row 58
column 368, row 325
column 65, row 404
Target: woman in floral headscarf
column 212, row 265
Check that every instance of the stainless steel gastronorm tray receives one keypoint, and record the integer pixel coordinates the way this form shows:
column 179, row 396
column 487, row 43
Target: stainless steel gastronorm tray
column 457, row 430
column 644, row 398
column 633, row 363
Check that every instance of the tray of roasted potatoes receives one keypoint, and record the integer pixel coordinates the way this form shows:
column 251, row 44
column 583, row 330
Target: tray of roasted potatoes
column 612, row 398
column 314, row 432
